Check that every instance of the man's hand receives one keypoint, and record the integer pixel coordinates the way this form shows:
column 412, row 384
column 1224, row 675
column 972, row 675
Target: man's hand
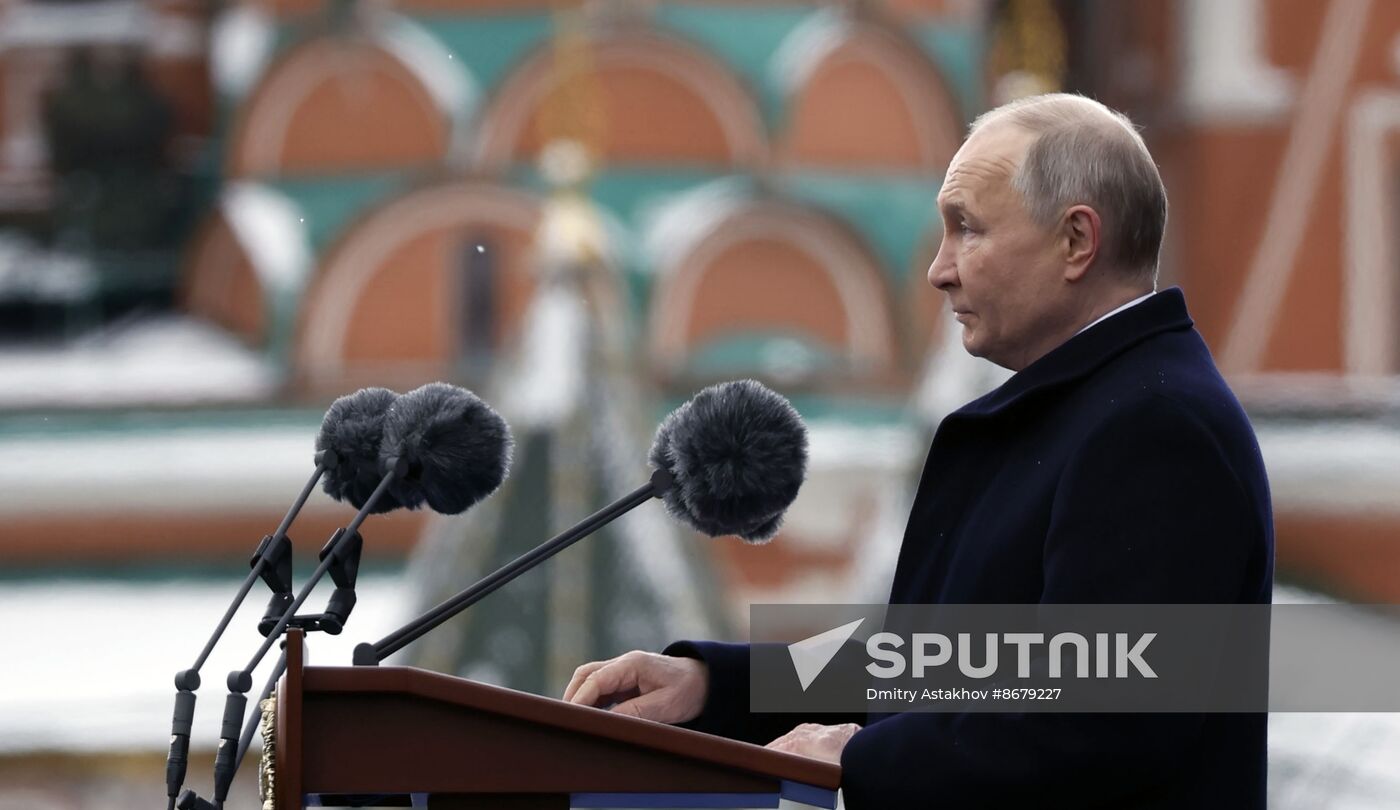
column 816, row 741
column 642, row 684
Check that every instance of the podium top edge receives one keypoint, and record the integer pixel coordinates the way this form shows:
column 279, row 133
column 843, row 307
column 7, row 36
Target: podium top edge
column 572, row 717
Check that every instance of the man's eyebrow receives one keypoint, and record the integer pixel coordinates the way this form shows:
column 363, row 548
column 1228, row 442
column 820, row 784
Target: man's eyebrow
column 952, row 208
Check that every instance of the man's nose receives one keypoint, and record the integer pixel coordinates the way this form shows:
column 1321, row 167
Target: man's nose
column 943, row 273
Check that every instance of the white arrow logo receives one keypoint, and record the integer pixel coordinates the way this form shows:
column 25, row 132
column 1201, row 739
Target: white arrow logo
column 811, row 655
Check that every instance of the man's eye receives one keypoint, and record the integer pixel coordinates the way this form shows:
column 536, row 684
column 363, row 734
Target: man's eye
column 964, row 227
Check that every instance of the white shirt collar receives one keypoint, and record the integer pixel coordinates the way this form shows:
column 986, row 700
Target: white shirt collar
column 1108, row 315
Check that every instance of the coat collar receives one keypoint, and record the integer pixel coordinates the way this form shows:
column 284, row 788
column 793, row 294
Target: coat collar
column 1087, row 351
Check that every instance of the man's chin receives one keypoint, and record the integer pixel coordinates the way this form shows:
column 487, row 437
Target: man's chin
column 970, row 342
column 979, row 349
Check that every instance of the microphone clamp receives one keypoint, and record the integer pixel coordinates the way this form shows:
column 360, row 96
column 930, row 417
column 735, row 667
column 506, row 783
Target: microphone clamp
column 189, row 800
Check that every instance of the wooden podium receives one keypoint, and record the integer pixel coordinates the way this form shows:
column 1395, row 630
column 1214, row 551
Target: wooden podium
column 400, row 736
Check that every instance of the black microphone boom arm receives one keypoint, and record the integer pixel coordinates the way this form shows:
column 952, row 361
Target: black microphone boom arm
column 371, row 654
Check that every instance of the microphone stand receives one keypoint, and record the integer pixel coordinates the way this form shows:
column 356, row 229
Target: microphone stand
column 371, row 654
column 272, row 561
column 229, row 755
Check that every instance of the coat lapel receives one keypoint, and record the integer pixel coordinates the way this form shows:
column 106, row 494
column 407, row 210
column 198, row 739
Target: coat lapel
column 1082, row 354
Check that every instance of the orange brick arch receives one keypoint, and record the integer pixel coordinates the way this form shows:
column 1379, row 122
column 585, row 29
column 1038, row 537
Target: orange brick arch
column 385, row 304
column 663, row 101
column 332, row 105
column 866, row 97
column 771, row 266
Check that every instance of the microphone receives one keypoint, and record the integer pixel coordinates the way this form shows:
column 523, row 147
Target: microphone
column 456, row 448
column 354, row 430
column 737, row 453
column 343, row 429
column 728, row 462
column 439, row 445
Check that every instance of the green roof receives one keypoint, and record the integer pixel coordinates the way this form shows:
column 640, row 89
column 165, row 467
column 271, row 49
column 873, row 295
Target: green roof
column 957, row 50
column 54, row 422
column 490, row 45
column 744, row 37
column 330, row 203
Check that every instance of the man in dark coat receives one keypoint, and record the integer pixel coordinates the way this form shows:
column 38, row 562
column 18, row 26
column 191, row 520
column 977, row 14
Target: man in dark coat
column 1115, row 466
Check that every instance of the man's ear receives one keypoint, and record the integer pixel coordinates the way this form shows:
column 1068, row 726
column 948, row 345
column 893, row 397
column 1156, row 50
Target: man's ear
column 1081, row 230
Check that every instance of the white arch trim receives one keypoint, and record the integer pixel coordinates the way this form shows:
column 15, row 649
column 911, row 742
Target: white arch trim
column 444, row 76
column 241, row 40
column 808, row 45
column 672, row 229
column 269, row 228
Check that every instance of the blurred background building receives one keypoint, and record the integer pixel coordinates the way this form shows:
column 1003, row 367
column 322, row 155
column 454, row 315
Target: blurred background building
column 217, row 216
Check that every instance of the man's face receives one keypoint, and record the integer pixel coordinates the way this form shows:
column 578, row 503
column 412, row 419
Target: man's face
column 997, row 266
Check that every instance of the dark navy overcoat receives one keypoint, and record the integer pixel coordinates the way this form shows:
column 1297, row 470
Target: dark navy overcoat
column 1118, row 468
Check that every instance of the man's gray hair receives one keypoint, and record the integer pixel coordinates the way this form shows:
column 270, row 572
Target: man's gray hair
column 1087, row 154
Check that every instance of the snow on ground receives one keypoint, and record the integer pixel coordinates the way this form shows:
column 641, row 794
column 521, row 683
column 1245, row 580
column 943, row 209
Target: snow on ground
column 158, row 469
column 1338, row 761
column 90, row 663
column 170, row 360
column 1333, row 760
column 1333, row 465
